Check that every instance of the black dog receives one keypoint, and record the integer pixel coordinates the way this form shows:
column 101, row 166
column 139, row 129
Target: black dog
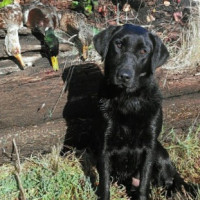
column 130, row 114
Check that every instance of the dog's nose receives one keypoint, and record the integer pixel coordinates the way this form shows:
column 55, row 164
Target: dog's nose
column 124, row 75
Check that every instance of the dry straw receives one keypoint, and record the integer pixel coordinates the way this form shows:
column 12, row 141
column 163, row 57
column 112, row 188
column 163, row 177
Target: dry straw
column 188, row 54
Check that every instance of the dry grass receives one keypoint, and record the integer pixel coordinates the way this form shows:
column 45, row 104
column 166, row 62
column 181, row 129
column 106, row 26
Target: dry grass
column 53, row 177
column 185, row 50
column 184, row 150
column 187, row 55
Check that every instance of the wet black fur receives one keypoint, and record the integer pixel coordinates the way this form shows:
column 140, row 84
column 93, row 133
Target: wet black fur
column 130, row 114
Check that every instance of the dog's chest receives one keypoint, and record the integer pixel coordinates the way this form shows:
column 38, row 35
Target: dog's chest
column 128, row 132
column 126, row 147
column 126, row 159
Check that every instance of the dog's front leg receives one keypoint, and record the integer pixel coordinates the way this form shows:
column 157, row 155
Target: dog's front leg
column 146, row 175
column 104, row 177
column 103, row 165
column 150, row 142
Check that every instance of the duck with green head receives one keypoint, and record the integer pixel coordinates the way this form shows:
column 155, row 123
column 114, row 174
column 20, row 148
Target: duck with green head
column 52, row 44
column 43, row 19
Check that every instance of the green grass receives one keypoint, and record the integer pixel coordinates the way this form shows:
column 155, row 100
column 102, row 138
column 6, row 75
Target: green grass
column 49, row 177
column 184, row 150
column 52, row 177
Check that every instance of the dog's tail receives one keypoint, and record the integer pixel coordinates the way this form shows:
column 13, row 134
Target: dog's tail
column 181, row 186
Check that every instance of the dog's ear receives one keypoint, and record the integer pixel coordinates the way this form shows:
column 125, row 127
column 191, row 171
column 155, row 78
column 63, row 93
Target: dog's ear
column 101, row 40
column 160, row 52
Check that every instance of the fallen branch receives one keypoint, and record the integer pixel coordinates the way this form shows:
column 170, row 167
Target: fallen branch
column 62, row 47
column 66, row 46
column 67, row 41
column 17, row 173
column 64, row 89
column 67, row 81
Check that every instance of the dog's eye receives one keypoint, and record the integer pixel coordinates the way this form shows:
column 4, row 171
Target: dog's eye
column 143, row 51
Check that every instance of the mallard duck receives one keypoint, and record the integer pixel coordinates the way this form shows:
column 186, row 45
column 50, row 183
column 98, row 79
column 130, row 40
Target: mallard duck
column 76, row 23
column 43, row 19
column 11, row 20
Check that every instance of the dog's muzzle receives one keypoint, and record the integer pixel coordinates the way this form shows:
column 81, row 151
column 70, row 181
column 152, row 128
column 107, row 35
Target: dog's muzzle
column 124, row 77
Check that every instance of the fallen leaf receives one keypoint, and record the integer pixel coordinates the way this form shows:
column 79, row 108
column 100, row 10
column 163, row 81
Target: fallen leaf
column 178, row 16
column 166, row 3
column 126, row 7
column 150, row 18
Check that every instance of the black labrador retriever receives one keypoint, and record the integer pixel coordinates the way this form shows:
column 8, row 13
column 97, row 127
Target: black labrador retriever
column 130, row 114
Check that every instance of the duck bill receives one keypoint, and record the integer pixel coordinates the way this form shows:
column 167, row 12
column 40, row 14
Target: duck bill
column 54, row 62
column 85, row 52
column 19, row 58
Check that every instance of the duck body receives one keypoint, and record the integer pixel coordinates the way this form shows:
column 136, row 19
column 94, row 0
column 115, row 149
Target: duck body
column 39, row 17
column 11, row 20
column 43, row 19
column 75, row 23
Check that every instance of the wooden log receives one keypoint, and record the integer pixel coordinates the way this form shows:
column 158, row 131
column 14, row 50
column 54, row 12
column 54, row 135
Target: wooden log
column 33, row 53
column 32, row 46
column 32, row 104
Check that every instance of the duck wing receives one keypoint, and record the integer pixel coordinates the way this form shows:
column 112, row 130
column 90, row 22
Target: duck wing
column 11, row 15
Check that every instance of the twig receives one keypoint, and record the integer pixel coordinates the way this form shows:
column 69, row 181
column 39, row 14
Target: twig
column 118, row 13
column 22, row 194
column 17, row 162
column 65, row 86
column 165, row 80
column 44, row 103
column 194, row 122
column 17, row 173
column 73, row 36
column 68, row 41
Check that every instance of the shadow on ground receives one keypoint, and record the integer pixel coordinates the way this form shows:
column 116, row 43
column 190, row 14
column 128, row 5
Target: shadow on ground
column 79, row 111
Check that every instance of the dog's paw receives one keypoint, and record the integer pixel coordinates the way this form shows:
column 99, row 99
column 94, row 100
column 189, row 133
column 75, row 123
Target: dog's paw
column 142, row 198
column 135, row 196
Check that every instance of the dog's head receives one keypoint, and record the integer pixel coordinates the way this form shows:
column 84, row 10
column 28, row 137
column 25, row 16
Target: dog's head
column 131, row 55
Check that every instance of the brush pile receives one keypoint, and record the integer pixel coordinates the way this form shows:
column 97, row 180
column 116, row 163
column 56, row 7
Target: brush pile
column 168, row 18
